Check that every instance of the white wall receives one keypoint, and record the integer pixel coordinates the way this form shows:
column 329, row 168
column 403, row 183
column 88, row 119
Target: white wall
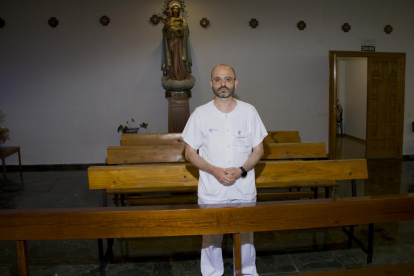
column 353, row 95
column 65, row 90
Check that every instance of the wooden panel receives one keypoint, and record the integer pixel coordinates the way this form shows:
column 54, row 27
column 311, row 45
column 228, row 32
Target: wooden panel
column 293, row 150
column 391, row 270
column 237, row 254
column 151, row 139
column 143, row 175
column 146, row 154
column 156, row 221
column 296, row 184
column 178, row 113
column 175, row 153
column 22, row 259
column 191, row 199
column 185, row 174
column 154, row 189
column 282, row 137
column 267, row 185
column 384, row 112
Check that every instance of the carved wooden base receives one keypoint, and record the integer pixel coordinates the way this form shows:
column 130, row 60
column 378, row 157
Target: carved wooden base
column 178, row 113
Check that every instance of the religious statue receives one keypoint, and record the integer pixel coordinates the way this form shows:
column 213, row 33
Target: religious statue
column 176, row 55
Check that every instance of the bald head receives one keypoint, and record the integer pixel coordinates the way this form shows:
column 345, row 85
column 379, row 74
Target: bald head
column 223, row 65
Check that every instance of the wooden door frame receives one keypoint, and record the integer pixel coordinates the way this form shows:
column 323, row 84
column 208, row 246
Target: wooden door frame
column 333, row 55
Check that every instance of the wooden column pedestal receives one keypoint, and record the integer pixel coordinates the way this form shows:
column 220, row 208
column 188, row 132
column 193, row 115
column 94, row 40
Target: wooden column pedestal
column 178, row 110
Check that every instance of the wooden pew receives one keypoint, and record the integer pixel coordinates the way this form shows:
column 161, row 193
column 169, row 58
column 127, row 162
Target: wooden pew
column 170, row 175
column 175, row 153
column 161, row 221
column 183, row 177
column 282, row 137
column 156, row 139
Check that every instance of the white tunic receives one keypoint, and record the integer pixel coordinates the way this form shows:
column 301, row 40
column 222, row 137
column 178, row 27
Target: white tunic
column 225, row 140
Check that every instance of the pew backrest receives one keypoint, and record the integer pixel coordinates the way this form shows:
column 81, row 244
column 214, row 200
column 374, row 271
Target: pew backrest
column 150, row 176
column 162, row 221
column 282, row 137
column 175, row 153
column 182, row 220
column 155, row 139
column 151, row 139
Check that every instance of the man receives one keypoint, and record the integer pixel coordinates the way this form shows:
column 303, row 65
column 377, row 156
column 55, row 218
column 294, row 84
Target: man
column 228, row 134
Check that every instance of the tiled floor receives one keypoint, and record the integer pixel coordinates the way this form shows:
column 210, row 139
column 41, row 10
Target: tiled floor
column 278, row 253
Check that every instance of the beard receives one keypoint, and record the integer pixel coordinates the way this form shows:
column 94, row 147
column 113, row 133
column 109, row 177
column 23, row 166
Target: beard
column 224, row 94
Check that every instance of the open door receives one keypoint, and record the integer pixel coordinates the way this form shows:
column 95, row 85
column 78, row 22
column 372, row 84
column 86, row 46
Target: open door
column 385, row 103
column 385, row 108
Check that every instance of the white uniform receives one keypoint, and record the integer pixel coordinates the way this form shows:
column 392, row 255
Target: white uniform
column 225, row 140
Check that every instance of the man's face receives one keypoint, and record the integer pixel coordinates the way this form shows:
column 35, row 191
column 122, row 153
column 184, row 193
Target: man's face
column 226, row 85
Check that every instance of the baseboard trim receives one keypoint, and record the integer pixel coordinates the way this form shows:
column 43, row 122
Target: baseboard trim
column 408, row 157
column 52, row 167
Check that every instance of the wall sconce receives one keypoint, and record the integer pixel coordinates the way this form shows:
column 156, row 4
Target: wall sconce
column 346, row 27
column 2, row 23
column 155, row 19
column 388, row 29
column 105, row 20
column 254, row 23
column 53, row 22
column 301, row 25
column 204, row 22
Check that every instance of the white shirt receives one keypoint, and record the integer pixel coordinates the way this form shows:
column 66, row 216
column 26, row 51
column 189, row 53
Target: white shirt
column 225, row 140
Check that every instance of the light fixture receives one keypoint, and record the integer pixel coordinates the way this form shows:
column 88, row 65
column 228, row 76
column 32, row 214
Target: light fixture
column 155, row 19
column 53, row 22
column 301, row 25
column 346, row 27
column 105, row 20
column 204, row 22
column 388, row 29
column 254, row 23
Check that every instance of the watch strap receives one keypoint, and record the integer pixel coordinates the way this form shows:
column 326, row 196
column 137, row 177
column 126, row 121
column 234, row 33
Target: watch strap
column 244, row 172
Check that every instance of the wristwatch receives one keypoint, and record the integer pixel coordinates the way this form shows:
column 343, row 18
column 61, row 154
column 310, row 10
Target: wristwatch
column 244, row 172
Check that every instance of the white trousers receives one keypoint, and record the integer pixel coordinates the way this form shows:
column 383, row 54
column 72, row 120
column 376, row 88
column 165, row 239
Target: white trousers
column 211, row 255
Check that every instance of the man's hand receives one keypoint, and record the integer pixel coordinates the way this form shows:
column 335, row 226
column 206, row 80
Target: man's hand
column 233, row 174
column 223, row 176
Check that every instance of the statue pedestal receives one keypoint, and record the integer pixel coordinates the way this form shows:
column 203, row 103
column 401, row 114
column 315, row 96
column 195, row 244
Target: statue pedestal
column 178, row 110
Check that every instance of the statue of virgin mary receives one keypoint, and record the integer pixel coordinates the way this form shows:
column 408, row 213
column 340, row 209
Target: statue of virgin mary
column 176, row 55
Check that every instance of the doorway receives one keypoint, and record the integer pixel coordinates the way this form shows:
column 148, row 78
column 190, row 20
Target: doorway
column 351, row 107
column 385, row 102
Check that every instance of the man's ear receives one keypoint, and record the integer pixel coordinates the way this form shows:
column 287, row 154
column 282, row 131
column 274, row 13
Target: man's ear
column 236, row 81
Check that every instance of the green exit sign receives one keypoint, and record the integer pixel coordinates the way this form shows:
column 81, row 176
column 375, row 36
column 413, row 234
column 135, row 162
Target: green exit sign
column 368, row 48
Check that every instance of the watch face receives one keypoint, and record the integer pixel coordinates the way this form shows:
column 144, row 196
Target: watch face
column 244, row 174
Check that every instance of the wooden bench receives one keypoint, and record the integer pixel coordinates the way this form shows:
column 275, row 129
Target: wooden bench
column 183, row 177
column 157, row 139
column 161, row 221
column 175, row 153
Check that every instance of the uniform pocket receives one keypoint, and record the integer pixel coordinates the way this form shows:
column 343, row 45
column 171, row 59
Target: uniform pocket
column 242, row 143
